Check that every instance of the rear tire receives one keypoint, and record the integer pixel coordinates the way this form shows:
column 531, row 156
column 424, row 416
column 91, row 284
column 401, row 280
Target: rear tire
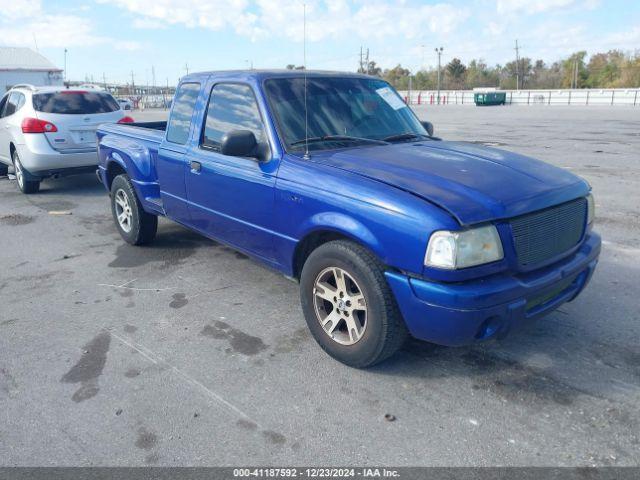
column 26, row 186
column 4, row 169
column 343, row 281
column 135, row 226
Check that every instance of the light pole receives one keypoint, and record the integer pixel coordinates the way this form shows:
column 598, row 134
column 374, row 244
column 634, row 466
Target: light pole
column 439, row 52
column 64, row 77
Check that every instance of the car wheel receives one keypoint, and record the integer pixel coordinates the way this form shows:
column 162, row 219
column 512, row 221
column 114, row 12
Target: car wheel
column 136, row 226
column 348, row 305
column 25, row 186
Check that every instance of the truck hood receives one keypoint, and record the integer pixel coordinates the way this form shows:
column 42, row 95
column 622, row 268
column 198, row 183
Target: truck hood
column 473, row 183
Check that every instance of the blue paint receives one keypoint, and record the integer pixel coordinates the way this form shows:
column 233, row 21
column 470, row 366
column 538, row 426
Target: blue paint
column 389, row 198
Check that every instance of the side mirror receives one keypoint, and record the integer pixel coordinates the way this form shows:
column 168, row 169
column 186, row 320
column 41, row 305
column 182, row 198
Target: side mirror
column 428, row 126
column 239, row 143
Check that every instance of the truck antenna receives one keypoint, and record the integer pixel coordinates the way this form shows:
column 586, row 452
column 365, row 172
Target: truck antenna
column 304, row 68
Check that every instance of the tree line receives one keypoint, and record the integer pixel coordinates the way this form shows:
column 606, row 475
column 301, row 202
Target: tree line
column 613, row 69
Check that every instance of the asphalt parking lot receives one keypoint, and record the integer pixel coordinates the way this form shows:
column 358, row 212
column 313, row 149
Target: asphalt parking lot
column 187, row 353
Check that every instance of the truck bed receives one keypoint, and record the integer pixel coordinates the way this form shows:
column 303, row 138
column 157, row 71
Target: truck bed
column 134, row 146
column 152, row 132
column 150, row 125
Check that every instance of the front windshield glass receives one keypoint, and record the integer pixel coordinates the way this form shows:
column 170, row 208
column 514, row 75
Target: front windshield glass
column 349, row 111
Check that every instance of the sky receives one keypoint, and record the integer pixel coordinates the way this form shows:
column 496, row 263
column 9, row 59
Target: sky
column 118, row 38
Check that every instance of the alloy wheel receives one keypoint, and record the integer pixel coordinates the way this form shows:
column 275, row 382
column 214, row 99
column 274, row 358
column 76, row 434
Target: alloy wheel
column 340, row 305
column 124, row 213
column 18, row 170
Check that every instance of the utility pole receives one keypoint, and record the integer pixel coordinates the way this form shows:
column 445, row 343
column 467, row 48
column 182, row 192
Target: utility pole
column 104, row 81
column 153, row 77
column 186, row 67
column 361, row 70
column 133, row 84
column 64, row 78
column 367, row 60
column 439, row 52
column 517, row 49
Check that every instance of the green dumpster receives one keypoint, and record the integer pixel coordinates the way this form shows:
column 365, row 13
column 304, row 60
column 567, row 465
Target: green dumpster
column 490, row 98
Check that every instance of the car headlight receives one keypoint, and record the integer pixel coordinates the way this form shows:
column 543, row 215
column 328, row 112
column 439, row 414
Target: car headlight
column 467, row 248
column 591, row 209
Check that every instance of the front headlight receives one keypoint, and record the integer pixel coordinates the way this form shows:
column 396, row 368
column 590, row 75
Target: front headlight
column 591, row 209
column 452, row 250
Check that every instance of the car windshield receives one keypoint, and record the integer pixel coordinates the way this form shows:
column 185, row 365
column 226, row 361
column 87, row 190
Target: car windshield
column 342, row 111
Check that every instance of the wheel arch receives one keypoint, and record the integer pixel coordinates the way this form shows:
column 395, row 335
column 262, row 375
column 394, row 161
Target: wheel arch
column 339, row 228
column 114, row 168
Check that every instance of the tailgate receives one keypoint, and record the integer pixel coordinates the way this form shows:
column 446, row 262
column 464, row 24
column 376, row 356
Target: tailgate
column 76, row 132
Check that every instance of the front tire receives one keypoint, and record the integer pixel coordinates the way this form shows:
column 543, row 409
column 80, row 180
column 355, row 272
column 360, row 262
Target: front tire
column 348, row 305
column 136, row 226
column 24, row 184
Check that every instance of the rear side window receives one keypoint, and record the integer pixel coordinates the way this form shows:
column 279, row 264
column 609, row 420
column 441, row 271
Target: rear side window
column 14, row 103
column 74, row 102
column 183, row 106
column 21, row 101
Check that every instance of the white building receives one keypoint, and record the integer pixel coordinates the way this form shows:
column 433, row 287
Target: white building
column 23, row 65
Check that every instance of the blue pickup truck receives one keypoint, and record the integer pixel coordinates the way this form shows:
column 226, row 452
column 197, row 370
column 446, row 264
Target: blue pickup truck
column 332, row 180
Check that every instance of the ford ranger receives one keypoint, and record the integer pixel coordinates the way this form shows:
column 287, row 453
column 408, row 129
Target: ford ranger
column 331, row 179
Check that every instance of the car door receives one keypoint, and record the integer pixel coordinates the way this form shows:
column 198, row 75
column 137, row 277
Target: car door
column 7, row 107
column 232, row 198
column 171, row 163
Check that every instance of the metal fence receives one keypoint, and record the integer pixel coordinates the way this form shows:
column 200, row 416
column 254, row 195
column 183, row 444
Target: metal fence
column 593, row 96
column 142, row 102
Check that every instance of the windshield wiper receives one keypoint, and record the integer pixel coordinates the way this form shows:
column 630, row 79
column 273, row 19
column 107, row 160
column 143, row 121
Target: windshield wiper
column 337, row 138
column 404, row 136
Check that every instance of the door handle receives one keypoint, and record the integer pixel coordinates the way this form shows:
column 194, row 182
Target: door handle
column 196, row 166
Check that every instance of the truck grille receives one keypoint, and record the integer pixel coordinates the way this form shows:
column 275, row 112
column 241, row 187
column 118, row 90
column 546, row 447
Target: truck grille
column 545, row 234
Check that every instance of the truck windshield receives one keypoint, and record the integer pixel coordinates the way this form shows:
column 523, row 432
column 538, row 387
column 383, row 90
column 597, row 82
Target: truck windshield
column 342, row 111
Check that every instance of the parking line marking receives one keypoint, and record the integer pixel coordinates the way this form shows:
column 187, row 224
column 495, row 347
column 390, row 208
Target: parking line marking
column 149, row 355
column 126, row 285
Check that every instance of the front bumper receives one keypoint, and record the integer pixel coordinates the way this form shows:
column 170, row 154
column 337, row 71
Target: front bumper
column 463, row 313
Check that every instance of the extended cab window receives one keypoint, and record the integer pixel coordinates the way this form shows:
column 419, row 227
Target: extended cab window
column 183, row 106
column 231, row 107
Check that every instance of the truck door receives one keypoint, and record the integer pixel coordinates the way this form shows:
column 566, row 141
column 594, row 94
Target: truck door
column 232, row 198
column 172, row 164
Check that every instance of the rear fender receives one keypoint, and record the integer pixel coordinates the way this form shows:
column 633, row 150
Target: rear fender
column 135, row 160
column 130, row 155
